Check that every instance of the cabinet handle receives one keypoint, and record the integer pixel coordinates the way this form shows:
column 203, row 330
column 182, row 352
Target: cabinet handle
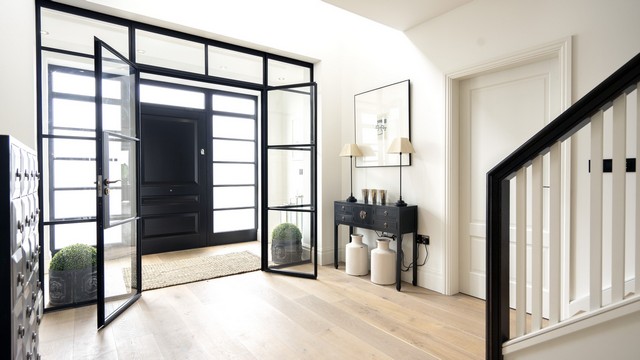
column 29, row 311
column 21, row 331
column 342, row 207
column 386, row 213
column 20, row 226
column 34, row 336
column 21, row 278
column 386, row 225
column 38, row 319
column 343, row 218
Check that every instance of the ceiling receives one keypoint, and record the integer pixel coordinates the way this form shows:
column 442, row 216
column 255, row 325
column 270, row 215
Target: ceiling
column 398, row 14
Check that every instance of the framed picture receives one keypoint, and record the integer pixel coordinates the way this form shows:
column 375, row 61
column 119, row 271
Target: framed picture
column 381, row 115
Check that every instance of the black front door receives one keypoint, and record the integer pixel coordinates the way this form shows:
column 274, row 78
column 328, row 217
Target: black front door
column 173, row 191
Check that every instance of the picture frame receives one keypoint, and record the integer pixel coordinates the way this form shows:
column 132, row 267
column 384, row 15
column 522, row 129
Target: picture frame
column 381, row 115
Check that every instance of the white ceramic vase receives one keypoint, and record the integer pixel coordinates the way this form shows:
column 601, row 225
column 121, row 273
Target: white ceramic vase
column 383, row 264
column 357, row 256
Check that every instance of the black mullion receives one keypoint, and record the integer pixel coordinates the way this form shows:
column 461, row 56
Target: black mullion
column 233, row 114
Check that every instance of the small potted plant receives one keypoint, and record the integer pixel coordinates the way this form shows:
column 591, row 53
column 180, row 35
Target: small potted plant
column 72, row 275
column 286, row 244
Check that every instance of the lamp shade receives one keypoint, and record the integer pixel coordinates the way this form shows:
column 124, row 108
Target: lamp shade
column 350, row 150
column 401, row 145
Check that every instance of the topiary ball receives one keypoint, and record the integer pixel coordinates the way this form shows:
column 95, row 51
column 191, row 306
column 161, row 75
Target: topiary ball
column 74, row 257
column 286, row 231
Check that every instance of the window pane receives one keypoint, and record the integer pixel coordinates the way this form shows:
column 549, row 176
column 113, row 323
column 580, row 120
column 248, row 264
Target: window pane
column 112, row 117
column 232, row 174
column 290, row 116
column 233, row 127
column 73, row 204
column 118, row 82
column 111, row 89
column 232, row 150
column 234, row 104
column 289, row 177
column 232, row 220
column 74, row 173
column 78, row 84
column 282, row 73
column 75, row 33
column 68, row 234
column 234, row 197
column 168, row 96
column 73, row 114
column 169, row 52
column 235, row 65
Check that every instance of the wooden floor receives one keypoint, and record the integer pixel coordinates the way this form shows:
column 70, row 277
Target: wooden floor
column 265, row 316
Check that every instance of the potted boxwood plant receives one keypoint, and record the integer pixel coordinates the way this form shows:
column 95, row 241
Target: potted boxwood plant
column 72, row 275
column 286, row 244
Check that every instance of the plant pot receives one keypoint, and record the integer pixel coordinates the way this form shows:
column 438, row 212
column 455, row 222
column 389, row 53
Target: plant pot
column 72, row 286
column 286, row 251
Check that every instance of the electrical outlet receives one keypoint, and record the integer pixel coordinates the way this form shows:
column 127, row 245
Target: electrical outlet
column 423, row 239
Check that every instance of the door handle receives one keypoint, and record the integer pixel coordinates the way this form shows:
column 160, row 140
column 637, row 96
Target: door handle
column 107, row 182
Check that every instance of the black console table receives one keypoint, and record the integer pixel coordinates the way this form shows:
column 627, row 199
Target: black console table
column 389, row 219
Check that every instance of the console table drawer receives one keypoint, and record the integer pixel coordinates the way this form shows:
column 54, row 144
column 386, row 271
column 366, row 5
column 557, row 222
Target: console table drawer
column 344, row 217
column 384, row 225
column 386, row 213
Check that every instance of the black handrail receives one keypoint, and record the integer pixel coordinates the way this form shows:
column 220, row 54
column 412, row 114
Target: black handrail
column 568, row 123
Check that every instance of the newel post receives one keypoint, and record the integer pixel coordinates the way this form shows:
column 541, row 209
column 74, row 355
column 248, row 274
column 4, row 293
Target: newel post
column 497, row 312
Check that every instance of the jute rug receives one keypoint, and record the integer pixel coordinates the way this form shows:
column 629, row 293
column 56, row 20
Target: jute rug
column 155, row 276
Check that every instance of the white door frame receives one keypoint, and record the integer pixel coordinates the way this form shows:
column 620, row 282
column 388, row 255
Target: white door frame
column 559, row 49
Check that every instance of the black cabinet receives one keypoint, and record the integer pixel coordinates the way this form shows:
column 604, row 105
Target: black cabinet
column 21, row 302
column 389, row 219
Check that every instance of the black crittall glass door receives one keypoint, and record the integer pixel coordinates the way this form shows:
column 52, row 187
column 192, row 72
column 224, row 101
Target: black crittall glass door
column 117, row 185
column 289, row 218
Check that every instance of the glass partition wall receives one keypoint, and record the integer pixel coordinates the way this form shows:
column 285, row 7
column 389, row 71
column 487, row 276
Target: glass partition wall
column 234, row 81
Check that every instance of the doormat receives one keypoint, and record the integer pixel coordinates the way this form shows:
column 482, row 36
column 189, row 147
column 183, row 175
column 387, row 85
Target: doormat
column 156, row 276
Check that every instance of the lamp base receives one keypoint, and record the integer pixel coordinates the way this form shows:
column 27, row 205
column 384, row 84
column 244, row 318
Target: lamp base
column 351, row 199
column 401, row 203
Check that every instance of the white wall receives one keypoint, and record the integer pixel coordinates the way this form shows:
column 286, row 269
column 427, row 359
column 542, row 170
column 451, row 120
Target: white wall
column 17, row 71
column 353, row 55
column 605, row 36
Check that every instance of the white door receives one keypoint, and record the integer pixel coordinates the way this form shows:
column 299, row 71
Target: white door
column 498, row 113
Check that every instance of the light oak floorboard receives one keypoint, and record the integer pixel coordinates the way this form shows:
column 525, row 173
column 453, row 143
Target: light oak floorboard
column 261, row 315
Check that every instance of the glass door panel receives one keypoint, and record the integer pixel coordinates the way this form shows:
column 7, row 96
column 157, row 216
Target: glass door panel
column 289, row 200
column 117, row 169
column 234, row 199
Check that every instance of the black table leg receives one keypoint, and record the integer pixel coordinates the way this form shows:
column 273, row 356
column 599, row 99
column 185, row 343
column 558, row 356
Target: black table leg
column 335, row 246
column 398, row 262
column 415, row 258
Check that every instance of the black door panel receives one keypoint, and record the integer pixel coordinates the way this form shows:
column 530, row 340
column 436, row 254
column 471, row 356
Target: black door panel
column 173, row 179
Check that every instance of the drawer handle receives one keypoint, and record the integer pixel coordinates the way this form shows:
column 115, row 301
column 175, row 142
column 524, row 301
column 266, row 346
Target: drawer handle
column 20, row 226
column 343, row 218
column 21, row 331
column 29, row 311
column 342, row 207
column 363, row 214
column 21, row 278
column 34, row 336
column 38, row 319
column 18, row 174
column 386, row 213
column 386, row 225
